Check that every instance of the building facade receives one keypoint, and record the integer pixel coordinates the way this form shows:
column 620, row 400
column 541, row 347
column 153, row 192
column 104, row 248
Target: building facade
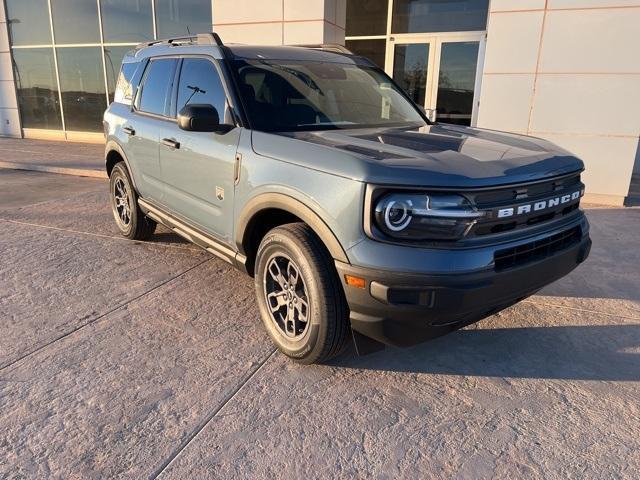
column 565, row 70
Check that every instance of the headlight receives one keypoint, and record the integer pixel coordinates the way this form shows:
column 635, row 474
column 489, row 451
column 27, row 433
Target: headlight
column 418, row 216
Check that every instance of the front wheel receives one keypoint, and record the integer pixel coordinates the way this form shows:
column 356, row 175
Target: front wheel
column 299, row 295
column 131, row 221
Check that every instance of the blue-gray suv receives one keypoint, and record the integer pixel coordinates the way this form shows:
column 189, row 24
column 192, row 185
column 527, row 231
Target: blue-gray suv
column 358, row 217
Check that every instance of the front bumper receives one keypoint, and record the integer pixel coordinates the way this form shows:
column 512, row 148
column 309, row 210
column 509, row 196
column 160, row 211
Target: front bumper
column 403, row 309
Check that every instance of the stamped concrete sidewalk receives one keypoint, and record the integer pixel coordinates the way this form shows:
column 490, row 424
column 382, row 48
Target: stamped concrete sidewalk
column 81, row 159
column 149, row 360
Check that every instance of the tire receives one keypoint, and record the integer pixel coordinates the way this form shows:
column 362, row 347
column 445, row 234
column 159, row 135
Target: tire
column 131, row 221
column 324, row 334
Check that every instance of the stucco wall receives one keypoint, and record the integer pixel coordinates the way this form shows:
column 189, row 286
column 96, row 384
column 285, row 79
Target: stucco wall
column 568, row 71
column 278, row 22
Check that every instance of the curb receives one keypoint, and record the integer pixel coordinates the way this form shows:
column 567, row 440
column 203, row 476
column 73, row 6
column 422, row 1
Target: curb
column 77, row 172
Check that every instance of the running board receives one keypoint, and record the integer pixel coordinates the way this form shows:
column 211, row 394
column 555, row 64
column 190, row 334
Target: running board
column 194, row 235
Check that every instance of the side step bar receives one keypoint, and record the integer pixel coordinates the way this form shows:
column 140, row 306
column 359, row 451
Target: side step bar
column 209, row 243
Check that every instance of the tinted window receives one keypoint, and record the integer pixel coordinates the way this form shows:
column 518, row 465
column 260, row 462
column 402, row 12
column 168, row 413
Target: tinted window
column 126, row 20
column 367, row 17
column 410, row 69
column 314, row 95
column 457, row 80
column 200, row 83
column 82, row 84
column 183, row 17
column 157, row 86
column 37, row 88
column 413, row 16
column 28, row 22
column 374, row 50
column 75, row 21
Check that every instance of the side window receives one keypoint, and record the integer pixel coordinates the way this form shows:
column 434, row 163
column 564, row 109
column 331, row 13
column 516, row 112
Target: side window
column 201, row 84
column 124, row 90
column 157, row 86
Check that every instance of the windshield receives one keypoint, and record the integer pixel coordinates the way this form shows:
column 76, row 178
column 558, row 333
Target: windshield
column 305, row 95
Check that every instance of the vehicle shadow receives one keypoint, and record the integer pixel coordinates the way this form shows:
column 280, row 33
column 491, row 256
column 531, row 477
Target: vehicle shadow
column 163, row 235
column 610, row 352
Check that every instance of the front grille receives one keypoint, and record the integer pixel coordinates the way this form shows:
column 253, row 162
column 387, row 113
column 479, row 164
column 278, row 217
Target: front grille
column 498, row 226
column 540, row 189
column 533, row 251
column 513, row 196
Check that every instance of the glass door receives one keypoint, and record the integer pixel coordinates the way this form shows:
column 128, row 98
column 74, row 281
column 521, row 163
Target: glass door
column 410, row 64
column 439, row 72
column 456, row 81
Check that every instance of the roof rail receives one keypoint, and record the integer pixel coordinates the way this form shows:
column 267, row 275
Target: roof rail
column 211, row 38
column 167, row 41
column 328, row 47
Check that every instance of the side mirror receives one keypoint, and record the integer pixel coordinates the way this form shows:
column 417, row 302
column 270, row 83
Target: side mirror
column 200, row 117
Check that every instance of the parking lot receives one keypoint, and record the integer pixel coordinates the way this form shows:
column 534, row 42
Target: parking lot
column 148, row 359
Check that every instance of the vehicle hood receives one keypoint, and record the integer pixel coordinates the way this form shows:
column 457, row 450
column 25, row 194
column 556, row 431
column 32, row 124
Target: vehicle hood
column 435, row 155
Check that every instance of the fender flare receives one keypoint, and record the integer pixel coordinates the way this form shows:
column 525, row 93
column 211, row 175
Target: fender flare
column 113, row 146
column 295, row 207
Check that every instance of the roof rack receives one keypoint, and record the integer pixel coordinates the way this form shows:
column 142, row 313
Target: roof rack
column 211, row 38
column 328, row 47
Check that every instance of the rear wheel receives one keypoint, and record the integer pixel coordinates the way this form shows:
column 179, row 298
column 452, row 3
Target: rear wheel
column 300, row 297
column 130, row 219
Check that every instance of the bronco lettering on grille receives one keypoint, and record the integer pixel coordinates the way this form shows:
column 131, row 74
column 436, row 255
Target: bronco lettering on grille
column 540, row 205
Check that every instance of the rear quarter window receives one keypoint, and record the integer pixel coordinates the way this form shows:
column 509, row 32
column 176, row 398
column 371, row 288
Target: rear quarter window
column 124, row 88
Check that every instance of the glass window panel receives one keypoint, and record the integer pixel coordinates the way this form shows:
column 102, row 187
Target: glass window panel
column 456, row 82
column 75, row 21
column 37, row 88
column 367, row 17
column 126, row 20
column 316, row 95
column 156, row 86
column 113, row 59
column 82, row 84
column 200, row 83
column 124, row 87
column 410, row 69
column 374, row 50
column 413, row 16
column 183, row 17
column 28, row 22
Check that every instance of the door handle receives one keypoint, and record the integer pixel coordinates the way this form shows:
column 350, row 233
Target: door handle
column 129, row 131
column 171, row 143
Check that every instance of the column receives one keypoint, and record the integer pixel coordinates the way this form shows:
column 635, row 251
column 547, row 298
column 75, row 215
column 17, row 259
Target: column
column 9, row 118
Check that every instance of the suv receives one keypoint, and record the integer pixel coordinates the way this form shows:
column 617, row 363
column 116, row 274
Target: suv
column 312, row 171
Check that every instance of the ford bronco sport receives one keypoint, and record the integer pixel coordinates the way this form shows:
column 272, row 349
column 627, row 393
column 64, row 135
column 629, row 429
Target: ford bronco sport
column 311, row 170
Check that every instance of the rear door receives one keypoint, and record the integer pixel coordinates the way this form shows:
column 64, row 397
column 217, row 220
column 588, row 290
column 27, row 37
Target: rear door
column 150, row 113
column 198, row 167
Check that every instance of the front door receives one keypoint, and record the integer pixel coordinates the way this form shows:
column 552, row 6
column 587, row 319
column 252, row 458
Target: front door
column 439, row 72
column 198, row 167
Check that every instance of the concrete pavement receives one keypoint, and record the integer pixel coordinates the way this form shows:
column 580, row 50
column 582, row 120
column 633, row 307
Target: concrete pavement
column 79, row 159
column 148, row 359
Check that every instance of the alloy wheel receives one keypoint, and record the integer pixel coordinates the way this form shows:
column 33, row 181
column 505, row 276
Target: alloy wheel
column 122, row 204
column 286, row 295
